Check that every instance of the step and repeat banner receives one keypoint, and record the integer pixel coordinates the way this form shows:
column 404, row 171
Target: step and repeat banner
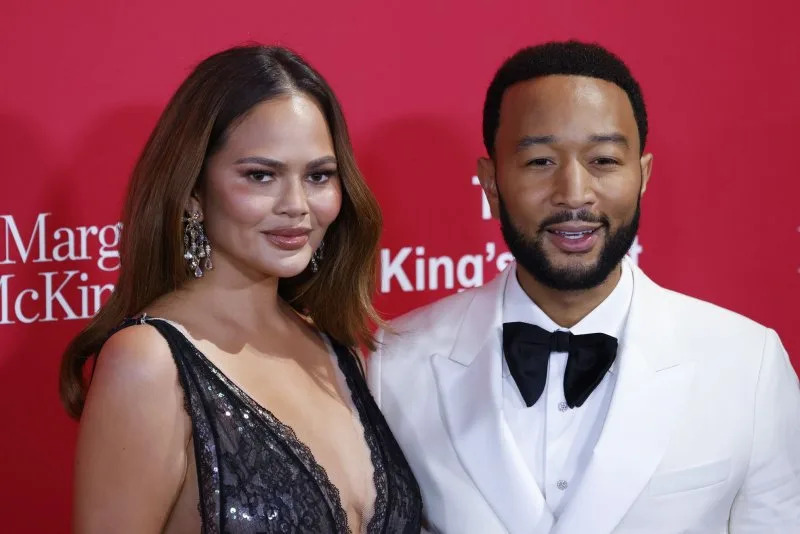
column 84, row 82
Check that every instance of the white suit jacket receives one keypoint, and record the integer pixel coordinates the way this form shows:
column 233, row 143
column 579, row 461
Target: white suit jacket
column 702, row 435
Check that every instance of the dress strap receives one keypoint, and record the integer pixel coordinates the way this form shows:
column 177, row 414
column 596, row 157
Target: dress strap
column 129, row 321
column 173, row 337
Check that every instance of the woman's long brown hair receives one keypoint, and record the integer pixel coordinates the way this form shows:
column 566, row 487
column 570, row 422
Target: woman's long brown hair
column 217, row 94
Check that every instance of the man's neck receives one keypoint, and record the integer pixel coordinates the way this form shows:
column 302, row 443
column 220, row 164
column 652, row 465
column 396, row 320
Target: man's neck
column 567, row 308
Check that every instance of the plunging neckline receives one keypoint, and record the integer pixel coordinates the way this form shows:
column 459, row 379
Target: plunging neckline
column 294, row 445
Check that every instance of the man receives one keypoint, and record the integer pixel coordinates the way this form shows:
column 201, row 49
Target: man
column 572, row 395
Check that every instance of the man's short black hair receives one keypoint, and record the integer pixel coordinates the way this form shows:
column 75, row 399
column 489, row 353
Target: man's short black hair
column 567, row 58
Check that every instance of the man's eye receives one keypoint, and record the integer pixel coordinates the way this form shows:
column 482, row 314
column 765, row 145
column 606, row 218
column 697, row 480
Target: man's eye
column 539, row 162
column 606, row 162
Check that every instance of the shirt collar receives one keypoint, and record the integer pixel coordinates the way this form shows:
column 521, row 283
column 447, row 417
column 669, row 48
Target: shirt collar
column 608, row 317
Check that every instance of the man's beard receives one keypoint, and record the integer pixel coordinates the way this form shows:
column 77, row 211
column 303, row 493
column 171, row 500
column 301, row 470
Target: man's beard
column 530, row 254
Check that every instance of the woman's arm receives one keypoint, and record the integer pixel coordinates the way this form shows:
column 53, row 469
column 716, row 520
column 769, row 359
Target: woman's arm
column 131, row 455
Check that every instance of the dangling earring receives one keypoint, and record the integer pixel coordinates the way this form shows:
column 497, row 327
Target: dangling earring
column 196, row 246
column 316, row 257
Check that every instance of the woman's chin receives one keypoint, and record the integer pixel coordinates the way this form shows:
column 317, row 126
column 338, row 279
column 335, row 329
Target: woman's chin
column 286, row 269
column 274, row 268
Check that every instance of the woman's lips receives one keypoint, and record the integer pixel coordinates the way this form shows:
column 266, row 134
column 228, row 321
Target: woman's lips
column 288, row 238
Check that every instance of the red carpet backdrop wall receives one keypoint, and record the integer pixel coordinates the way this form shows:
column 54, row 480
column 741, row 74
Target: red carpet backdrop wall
column 84, row 82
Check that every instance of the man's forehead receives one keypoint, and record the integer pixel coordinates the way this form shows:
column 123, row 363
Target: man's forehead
column 564, row 88
column 561, row 105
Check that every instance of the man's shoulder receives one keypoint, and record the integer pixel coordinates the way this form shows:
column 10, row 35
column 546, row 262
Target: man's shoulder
column 443, row 310
column 432, row 325
column 689, row 309
column 698, row 319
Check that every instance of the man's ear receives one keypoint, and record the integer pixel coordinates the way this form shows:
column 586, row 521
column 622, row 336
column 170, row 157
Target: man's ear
column 488, row 179
column 646, row 163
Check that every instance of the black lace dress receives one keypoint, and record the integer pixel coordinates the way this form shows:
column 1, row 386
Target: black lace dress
column 254, row 474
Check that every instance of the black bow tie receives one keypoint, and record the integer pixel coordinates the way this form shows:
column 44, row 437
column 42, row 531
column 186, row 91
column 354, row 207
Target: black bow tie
column 527, row 350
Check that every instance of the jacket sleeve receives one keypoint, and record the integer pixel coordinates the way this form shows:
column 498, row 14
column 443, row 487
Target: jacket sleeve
column 769, row 500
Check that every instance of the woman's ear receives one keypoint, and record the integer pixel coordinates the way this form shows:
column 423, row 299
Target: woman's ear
column 194, row 204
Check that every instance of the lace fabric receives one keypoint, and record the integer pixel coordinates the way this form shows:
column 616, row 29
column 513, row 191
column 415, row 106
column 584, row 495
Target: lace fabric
column 256, row 477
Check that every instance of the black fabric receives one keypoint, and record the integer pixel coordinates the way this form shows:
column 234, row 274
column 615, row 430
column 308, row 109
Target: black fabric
column 527, row 350
column 256, row 477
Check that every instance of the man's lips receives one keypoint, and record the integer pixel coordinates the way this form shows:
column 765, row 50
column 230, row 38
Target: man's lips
column 573, row 227
column 573, row 237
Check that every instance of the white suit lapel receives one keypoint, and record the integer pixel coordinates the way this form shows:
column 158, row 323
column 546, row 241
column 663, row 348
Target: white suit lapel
column 647, row 400
column 469, row 385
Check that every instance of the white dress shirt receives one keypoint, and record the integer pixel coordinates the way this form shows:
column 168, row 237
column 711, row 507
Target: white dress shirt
column 557, row 441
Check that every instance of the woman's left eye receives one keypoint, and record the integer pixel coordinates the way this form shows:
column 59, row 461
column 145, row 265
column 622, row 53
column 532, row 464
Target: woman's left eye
column 322, row 176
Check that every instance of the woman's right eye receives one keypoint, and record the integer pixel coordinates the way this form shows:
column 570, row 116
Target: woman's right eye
column 260, row 176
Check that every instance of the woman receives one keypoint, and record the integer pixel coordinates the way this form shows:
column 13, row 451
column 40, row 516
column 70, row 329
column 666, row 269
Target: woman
column 230, row 402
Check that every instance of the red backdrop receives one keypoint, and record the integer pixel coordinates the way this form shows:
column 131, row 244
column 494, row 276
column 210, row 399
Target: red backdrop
column 83, row 83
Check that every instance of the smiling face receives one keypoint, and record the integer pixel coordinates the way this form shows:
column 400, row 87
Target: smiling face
column 271, row 191
column 566, row 178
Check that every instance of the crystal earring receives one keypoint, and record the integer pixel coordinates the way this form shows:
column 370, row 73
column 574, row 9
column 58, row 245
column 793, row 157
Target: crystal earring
column 196, row 247
column 316, row 257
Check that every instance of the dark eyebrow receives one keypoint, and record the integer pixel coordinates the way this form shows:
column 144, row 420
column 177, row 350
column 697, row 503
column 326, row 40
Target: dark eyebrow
column 319, row 162
column 616, row 138
column 267, row 162
column 279, row 165
column 530, row 140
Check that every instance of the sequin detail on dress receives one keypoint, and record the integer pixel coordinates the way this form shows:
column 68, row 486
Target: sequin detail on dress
column 256, row 477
